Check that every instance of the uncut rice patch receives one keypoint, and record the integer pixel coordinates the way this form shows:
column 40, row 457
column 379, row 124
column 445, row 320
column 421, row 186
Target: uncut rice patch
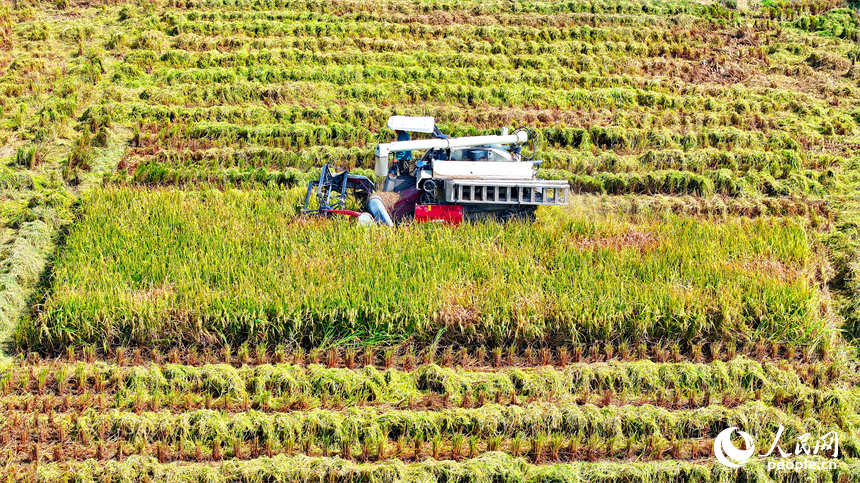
column 167, row 267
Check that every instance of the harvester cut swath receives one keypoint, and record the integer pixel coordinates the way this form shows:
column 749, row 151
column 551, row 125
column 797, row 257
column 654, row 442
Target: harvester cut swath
column 466, row 178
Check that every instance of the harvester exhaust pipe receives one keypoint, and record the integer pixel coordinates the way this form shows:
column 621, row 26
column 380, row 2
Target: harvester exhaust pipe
column 377, row 208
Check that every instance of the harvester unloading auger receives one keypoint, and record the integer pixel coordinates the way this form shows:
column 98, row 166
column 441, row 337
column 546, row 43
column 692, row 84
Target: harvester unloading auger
column 466, row 178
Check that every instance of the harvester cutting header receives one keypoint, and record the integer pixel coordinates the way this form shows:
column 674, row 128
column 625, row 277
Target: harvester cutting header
column 456, row 179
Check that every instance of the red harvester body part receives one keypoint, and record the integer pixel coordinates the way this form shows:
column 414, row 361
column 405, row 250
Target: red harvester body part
column 447, row 213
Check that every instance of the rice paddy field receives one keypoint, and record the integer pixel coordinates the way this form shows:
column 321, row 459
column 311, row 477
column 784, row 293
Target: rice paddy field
column 167, row 314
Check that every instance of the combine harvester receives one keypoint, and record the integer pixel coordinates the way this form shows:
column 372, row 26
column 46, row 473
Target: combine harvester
column 468, row 178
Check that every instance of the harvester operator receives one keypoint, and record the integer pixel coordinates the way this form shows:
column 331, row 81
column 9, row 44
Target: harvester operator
column 403, row 157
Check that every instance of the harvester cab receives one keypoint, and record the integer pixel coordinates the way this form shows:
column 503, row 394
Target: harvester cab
column 456, row 178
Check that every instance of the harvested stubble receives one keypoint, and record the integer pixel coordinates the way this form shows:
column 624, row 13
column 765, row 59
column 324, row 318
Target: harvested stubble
column 208, row 266
column 285, row 387
column 405, row 356
column 484, row 469
column 550, row 448
column 357, row 425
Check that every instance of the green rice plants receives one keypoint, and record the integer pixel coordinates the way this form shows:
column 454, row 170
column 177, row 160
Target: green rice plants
column 280, row 354
column 409, row 358
column 27, row 157
column 696, row 352
column 691, row 398
column 332, row 357
column 436, row 447
column 368, row 357
column 629, row 448
column 298, row 356
column 731, row 349
column 381, row 445
column 624, row 351
column 41, row 380
column 592, row 447
column 348, row 358
column 417, row 444
column 260, row 354
column 825, row 350
column 577, row 353
column 716, row 351
column 556, row 441
column 473, row 446
column 456, row 446
column 536, row 447
column 609, row 450
column 494, row 443
column 661, row 397
column 289, row 446
column 89, row 354
column 516, row 445
column 243, row 354
column 511, row 354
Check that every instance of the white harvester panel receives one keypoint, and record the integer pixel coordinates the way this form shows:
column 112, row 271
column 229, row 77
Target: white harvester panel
column 412, row 124
column 482, row 170
column 507, row 192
